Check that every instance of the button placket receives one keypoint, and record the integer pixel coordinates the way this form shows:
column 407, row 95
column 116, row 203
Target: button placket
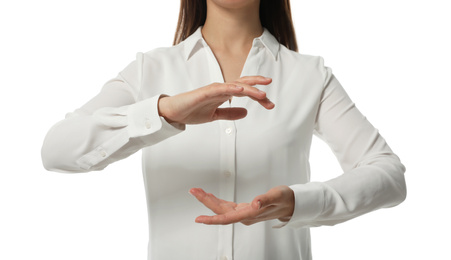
column 227, row 161
column 227, row 183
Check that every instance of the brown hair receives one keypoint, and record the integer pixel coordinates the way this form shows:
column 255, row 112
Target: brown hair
column 274, row 16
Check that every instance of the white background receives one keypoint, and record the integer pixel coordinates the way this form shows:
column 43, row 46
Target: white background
column 392, row 56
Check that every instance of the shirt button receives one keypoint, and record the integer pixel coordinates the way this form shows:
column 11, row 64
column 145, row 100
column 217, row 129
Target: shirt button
column 147, row 123
column 224, row 258
column 103, row 153
column 228, row 131
column 228, row 174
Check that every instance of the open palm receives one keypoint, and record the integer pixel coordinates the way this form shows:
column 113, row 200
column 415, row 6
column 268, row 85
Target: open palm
column 277, row 203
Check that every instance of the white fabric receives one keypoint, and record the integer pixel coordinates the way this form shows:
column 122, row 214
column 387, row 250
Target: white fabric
column 235, row 160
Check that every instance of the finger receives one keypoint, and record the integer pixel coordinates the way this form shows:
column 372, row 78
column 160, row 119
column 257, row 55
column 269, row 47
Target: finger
column 250, row 91
column 220, row 90
column 228, row 218
column 216, row 205
column 232, row 113
column 255, row 94
column 266, row 103
column 254, row 80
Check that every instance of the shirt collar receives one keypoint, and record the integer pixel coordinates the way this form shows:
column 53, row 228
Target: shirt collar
column 195, row 42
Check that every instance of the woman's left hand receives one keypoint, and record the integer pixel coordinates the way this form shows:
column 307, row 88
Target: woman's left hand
column 277, row 203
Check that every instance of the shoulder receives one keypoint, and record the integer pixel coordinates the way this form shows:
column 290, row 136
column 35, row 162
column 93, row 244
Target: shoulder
column 314, row 61
column 153, row 60
column 305, row 64
column 164, row 53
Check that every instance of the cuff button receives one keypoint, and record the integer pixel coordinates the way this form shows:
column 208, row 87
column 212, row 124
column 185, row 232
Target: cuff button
column 147, row 123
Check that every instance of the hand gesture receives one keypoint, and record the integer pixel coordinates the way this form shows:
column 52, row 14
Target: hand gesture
column 201, row 105
column 277, row 203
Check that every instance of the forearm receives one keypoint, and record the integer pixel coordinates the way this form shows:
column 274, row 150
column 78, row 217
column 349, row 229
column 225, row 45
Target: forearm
column 377, row 184
column 82, row 143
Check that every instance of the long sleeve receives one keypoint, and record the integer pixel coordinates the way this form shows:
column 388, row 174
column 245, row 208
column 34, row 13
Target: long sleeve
column 110, row 127
column 373, row 175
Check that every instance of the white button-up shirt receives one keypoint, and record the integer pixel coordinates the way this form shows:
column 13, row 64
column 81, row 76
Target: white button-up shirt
column 235, row 160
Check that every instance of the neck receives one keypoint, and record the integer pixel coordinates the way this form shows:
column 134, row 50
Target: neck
column 231, row 28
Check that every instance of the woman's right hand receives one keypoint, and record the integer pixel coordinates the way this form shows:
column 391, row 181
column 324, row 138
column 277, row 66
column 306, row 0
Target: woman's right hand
column 202, row 105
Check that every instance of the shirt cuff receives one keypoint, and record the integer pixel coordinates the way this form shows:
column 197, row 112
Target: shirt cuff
column 308, row 204
column 144, row 120
column 139, row 121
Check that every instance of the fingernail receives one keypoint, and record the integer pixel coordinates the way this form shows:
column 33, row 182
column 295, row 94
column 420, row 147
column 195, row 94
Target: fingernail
column 261, row 91
column 259, row 204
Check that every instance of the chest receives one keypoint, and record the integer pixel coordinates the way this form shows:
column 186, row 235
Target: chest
column 231, row 65
column 296, row 90
column 258, row 147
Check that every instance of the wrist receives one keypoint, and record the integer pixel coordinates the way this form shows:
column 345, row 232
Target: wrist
column 163, row 107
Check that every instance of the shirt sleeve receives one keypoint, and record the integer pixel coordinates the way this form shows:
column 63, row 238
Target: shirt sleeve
column 373, row 175
column 110, row 127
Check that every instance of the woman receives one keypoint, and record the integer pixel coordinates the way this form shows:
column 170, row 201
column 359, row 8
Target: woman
column 229, row 58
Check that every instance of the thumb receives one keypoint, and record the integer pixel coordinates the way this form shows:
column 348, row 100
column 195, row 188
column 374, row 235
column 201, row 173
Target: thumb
column 273, row 196
column 262, row 201
column 231, row 113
